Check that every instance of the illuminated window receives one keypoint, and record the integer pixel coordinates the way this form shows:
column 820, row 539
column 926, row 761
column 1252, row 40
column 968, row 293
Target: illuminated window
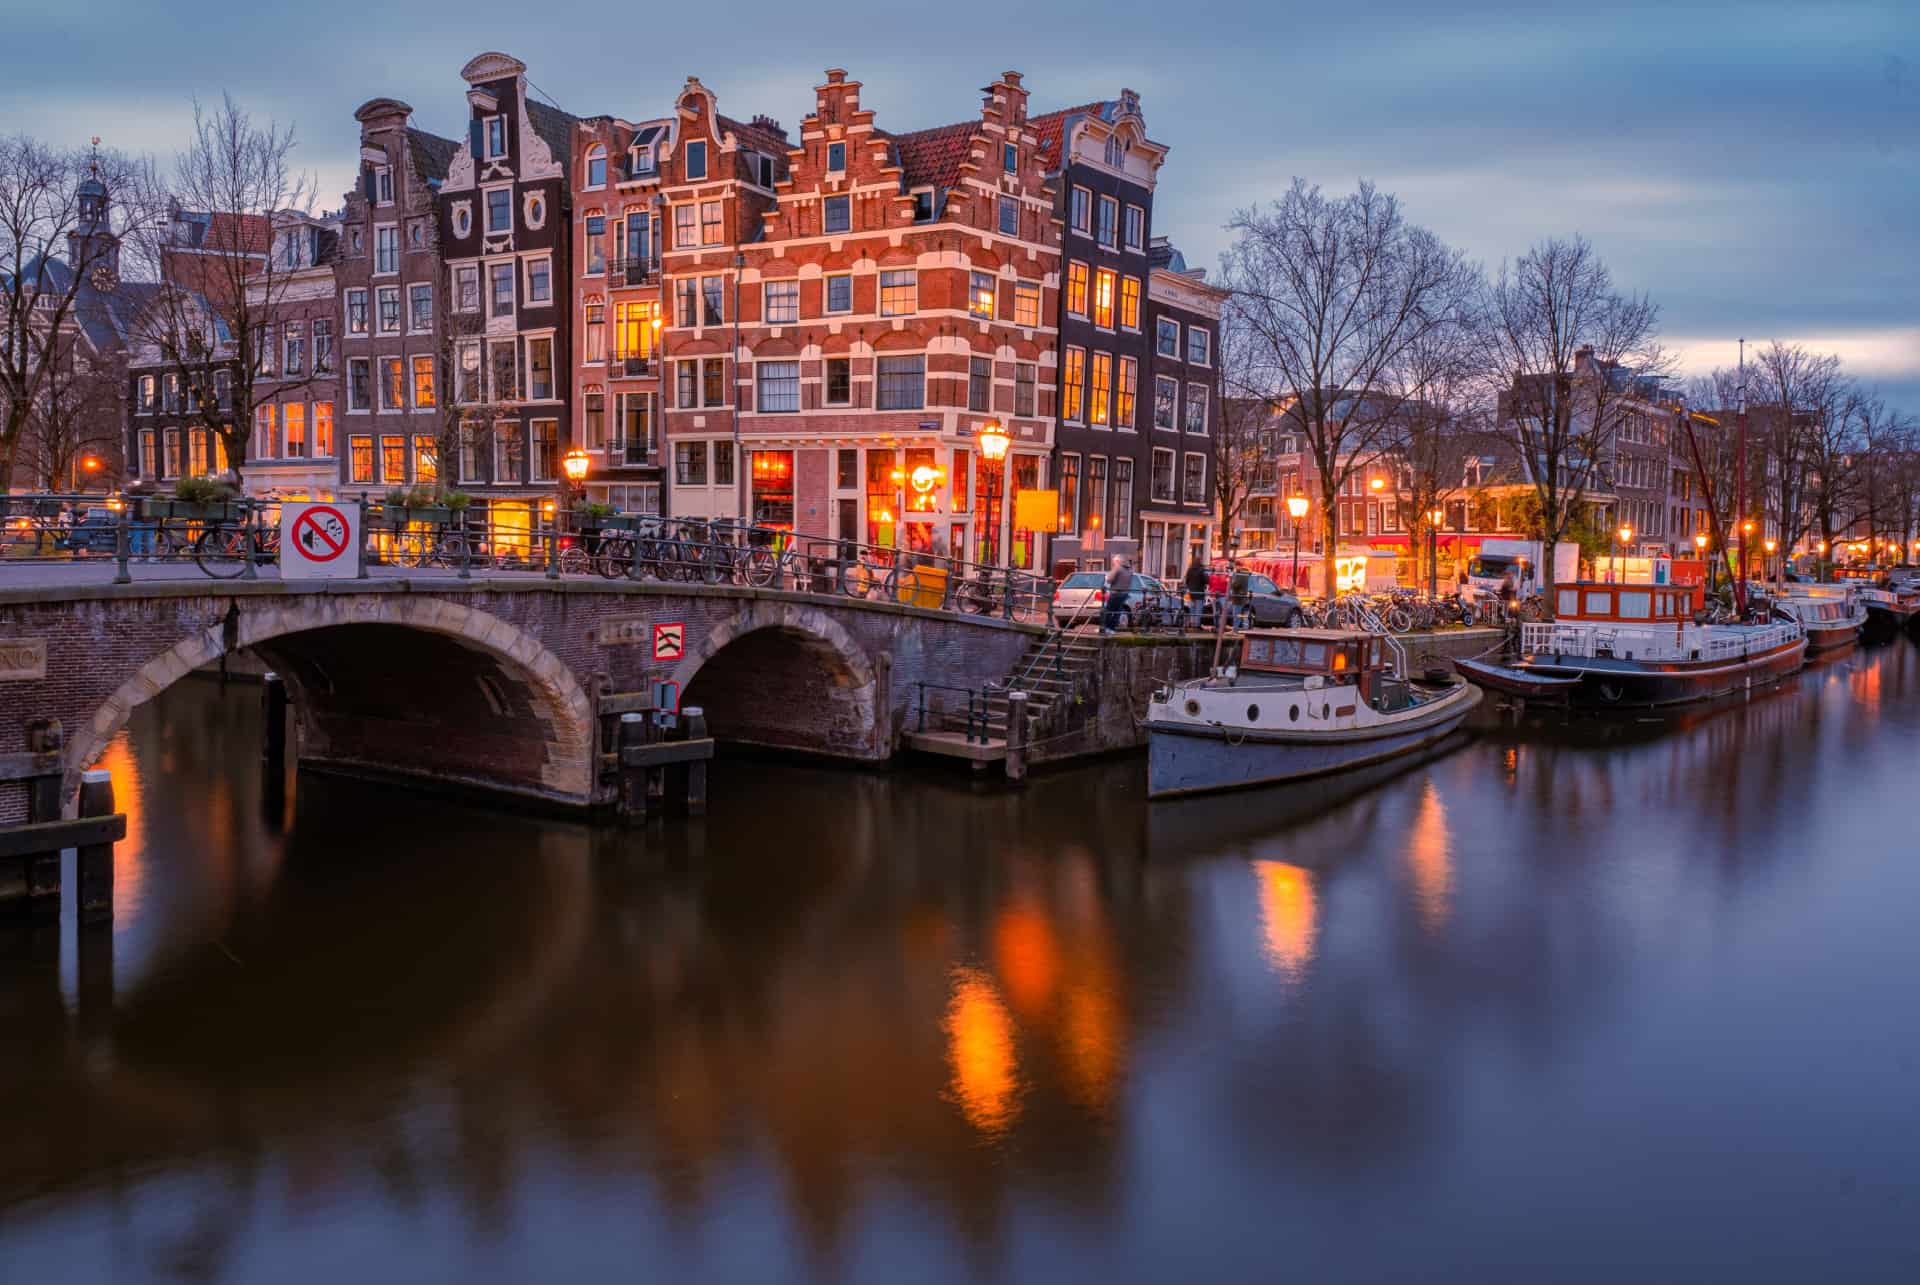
column 1077, row 289
column 1102, row 389
column 1026, row 303
column 1103, row 299
column 980, row 294
column 1130, row 302
column 899, row 293
column 1127, row 393
column 1072, row 383
column 423, row 381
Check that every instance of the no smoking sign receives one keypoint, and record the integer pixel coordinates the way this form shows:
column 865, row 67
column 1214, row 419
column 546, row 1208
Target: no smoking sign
column 319, row 541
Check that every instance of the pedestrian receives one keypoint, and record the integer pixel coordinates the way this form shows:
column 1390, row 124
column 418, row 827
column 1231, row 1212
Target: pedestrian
column 1241, row 589
column 1508, row 592
column 1196, row 587
column 1119, row 586
column 1217, row 593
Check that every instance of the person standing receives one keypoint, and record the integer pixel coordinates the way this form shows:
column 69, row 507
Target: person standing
column 1242, row 592
column 1195, row 584
column 1119, row 586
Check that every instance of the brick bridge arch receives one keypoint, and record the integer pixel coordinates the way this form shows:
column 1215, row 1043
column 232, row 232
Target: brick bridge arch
column 347, row 659
column 781, row 671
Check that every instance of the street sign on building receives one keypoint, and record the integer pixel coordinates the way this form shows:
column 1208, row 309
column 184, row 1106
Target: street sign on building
column 319, row 541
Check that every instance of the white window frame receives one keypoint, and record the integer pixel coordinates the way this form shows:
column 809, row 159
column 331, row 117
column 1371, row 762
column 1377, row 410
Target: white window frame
column 380, row 294
column 366, row 311
column 598, row 153
column 1133, row 233
column 1206, row 343
column 383, row 185
column 527, row 280
column 381, row 230
column 826, row 293
column 695, row 147
column 413, row 295
column 513, row 305
column 554, row 374
column 486, row 209
column 1080, row 219
column 790, row 306
column 487, row 126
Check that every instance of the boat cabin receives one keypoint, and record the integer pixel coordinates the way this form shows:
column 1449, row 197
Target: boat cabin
column 1327, row 658
column 1617, row 604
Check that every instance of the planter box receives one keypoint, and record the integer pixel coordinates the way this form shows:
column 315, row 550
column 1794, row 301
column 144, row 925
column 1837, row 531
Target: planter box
column 217, row 511
column 615, row 522
column 433, row 515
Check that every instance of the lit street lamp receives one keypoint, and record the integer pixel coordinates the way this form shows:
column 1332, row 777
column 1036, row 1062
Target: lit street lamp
column 1297, row 509
column 1700, row 547
column 993, row 441
column 1770, row 546
column 1625, row 535
column 1435, row 517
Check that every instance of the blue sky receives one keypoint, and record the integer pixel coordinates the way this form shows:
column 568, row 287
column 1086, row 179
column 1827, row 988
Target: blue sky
column 1755, row 166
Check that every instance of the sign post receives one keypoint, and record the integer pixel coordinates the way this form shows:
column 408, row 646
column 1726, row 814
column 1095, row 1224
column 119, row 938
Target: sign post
column 319, row 541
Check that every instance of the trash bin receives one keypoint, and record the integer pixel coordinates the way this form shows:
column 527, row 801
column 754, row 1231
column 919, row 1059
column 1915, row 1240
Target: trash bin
column 922, row 586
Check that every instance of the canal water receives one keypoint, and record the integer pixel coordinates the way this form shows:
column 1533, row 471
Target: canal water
column 1605, row 1002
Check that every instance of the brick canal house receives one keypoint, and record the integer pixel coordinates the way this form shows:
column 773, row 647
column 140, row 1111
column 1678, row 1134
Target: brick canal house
column 503, row 220
column 885, row 295
column 1178, row 517
column 1103, row 169
column 392, row 298
column 618, row 375
column 291, row 449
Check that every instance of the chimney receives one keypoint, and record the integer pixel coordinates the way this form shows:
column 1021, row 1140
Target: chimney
column 769, row 124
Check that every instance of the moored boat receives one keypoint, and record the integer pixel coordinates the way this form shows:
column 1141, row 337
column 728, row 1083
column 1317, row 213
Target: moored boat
column 1300, row 703
column 1639, row 645
column 1832, row 615
column 1890, row 609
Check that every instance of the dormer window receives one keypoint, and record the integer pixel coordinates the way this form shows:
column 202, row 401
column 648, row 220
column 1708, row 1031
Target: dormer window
column 836, row 158
column 696, row 167
column 1116, row 152
column 762, row 167
column 496, row 136
column 596, row 166
column 640, row 161
column 923, row 205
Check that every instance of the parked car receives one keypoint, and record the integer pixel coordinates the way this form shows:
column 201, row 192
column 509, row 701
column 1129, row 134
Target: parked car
column 1271, row 605
column 1079, row 599
column 94, row 533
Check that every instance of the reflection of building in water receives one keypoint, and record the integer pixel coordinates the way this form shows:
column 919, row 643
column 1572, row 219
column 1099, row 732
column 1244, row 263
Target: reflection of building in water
column 980, row 1048
column 1286, row 915
column 1430, row 859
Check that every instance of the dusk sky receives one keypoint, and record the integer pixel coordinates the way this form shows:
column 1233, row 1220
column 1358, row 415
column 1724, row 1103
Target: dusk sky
column 1755, row 166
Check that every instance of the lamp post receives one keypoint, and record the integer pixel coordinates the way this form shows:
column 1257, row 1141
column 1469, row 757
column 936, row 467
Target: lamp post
column 1625, row 535
column 1435, row 516
column 1297, row 510
column 1700, row 547
column 993, row 441
column 1746, row 529
column 1767, row 572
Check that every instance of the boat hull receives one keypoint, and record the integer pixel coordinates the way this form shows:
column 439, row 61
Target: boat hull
column 1828, row 637
column 1186, row 758
column 1609, row 683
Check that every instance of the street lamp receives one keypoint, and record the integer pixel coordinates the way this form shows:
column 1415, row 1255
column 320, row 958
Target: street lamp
column 1770, row 546
column 993, row 441
column 1625, row 535
column 1435, row 516
column 1297, row 510
column 575, row 465
column 1700, row 547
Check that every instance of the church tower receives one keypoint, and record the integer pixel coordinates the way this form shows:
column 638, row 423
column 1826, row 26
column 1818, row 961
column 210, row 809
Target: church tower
column 91, row 245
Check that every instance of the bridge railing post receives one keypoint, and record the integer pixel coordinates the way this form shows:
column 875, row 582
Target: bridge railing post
column 553, row 544
column 466, row 547
column 361, row 574
column 123, row 542
column 250, row 541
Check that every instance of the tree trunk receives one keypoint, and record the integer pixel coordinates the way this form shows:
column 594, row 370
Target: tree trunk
column 1329, row 550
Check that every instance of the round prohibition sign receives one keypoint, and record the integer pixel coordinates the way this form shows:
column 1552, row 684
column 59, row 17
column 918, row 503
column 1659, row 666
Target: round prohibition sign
column 320, row 534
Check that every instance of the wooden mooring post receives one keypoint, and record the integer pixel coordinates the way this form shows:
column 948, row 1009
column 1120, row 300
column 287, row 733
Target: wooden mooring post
column 30, row 853
column 660, row 757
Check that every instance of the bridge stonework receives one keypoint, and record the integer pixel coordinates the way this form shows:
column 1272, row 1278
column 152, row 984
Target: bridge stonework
column 493, row 683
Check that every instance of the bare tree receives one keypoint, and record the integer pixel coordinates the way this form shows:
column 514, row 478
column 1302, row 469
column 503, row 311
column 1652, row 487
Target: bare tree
column 1241, row 461
column 1798, row 395
column 206, row 230
column 1564, row 352
column 77, row 417
column 45, row 260
column 1833, row 461
column 1333, row 292
column 1887, row 470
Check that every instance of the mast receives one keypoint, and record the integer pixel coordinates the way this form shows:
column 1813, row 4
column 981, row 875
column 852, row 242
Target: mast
column 1740, row 504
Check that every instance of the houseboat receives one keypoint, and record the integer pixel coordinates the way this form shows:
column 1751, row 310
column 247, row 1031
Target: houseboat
column 1832, row 615
column 1636, row 645
column 1889, row 609
column 1300, row 703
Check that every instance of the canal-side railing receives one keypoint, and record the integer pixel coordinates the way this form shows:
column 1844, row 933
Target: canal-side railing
column 942, row 713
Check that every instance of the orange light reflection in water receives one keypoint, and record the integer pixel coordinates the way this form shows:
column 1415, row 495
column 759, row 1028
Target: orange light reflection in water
column 1431, row 860
column 1027, row 958
column 1287, row 910
column 129, row 855
column 980, row 1050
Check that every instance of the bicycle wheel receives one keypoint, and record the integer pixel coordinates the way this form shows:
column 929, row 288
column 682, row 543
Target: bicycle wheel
column 410, row 548
column 859, row 580
column 220, row 552
column 574, row 561
column 1399, row 620
column 758, row 567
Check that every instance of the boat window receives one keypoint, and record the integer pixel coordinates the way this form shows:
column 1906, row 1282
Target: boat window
column 1259, row 650
column 1636, row 604
column 1375, row 658
column 1341, row 658
column 1315, row 654
column 1569, row 602
column 1286, row 651
column 1599, row 604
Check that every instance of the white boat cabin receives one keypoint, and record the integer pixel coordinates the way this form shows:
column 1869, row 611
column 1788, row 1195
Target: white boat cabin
column 1643, row 623
column 1319, row 658
column 1626, row 603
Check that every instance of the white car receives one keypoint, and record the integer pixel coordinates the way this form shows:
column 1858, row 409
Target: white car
column 1079, row 599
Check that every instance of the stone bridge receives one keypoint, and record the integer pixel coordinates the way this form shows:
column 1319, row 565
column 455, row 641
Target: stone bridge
column 508, row 684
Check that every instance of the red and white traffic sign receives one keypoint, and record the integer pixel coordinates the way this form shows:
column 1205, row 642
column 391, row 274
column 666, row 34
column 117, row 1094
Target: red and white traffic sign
column 319, row 541
column 670, row 641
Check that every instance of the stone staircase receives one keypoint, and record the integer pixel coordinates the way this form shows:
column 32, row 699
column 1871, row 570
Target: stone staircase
column 1048, row 671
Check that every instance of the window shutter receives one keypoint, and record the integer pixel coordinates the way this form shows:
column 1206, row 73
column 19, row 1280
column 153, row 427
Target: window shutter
column 366, row 181
column 474, row 141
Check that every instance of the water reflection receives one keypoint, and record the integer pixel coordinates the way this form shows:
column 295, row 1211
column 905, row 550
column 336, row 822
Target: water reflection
column 878, row 1027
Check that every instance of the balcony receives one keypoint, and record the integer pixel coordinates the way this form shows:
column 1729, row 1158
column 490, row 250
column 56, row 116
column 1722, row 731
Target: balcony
column 635, row 367
column 638, row 272
column 630, row 454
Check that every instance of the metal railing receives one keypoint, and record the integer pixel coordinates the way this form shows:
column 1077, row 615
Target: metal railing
column 975, row 717
column 160, row 536
column 1679, row 641
column 637, row 272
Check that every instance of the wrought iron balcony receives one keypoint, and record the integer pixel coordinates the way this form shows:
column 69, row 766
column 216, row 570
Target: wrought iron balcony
column 636, row 367
column 639, row 272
